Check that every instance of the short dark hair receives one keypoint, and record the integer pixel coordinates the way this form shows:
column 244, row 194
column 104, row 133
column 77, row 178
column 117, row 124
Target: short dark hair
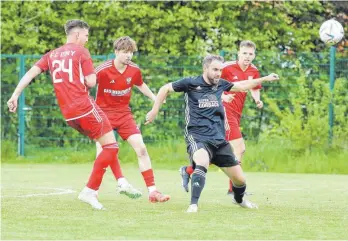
column 75, row 23
column 210, row 58
column 247, row 43
column 125, row 43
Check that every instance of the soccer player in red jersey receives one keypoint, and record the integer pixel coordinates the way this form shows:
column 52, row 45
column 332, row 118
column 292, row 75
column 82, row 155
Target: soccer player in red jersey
column 235, row 71
column 116, row 79
column 72, row 72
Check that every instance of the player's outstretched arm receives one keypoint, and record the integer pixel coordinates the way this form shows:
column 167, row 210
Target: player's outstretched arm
column 256, row 96
column 24, row 82
column 146, row 91
column 161, row 96
column 251, row 83
column 91, row 80
column 227, row 98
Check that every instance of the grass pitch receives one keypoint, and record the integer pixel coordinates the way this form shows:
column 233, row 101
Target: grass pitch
column 39, row 202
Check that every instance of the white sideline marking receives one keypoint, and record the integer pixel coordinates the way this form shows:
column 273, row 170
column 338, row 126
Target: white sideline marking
column 59, row 191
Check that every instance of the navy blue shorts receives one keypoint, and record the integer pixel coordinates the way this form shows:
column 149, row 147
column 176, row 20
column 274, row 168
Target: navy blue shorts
column 220, row 155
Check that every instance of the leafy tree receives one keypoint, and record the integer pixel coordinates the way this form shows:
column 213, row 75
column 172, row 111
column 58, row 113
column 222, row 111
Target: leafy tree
column 175, row 28
column 172, row 36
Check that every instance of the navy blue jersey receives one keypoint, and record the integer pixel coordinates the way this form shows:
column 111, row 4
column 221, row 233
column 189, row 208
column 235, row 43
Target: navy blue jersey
column 204, row 112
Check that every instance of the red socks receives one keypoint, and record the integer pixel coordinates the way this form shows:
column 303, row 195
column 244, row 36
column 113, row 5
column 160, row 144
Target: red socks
column 107, row 157
column 189, row 170
column 116, row 169
column 148, row 177
column 231, row 185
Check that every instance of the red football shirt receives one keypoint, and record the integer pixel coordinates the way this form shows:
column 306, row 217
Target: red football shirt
column 115, row 88
column 68, row 66
column 233, row 73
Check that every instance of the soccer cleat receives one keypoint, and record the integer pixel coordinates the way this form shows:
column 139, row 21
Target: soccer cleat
column 156, row 196
column 193, row 208
column 245, row 204
column 129, row 191
column 90, row 196
column 185, row 178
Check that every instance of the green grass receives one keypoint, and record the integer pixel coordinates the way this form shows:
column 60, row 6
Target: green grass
column 265, row 156
column 291, row 206
column 281, row 156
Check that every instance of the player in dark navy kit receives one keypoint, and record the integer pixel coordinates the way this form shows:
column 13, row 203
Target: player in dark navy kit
column 205, row 126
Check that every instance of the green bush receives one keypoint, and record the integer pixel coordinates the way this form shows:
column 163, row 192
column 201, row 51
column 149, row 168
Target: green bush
column 304, row 122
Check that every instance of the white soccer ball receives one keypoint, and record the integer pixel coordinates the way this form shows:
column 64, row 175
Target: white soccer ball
column 331, row 32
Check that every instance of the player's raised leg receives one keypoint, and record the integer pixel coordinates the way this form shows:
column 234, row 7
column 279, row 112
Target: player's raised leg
column 185, row 173
column 107, row 156
column 97, row 127
column 123, row 186
column 145, row 167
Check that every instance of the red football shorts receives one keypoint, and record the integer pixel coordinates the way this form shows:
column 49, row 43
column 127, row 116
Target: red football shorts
column 232, row 126
column 94, row 125
column 123, row 123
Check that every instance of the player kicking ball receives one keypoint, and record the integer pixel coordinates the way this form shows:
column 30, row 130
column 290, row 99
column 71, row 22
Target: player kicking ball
column 72, row 73
column 205, row 126
column 234, row 71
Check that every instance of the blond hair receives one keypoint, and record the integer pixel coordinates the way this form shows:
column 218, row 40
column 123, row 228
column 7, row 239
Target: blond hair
column 125, row 43
column 247, row 43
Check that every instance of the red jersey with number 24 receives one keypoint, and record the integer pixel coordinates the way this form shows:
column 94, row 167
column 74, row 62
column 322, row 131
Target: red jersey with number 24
column 233, row 73
column 68, row 66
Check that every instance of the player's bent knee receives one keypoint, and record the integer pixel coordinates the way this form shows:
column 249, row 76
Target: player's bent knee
column 111, row 149
column 202, row 162
column 201, row 157
column 107, row 138
column 239, row 152
column 239, row 180
column 237, row 175
column 142, row 151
